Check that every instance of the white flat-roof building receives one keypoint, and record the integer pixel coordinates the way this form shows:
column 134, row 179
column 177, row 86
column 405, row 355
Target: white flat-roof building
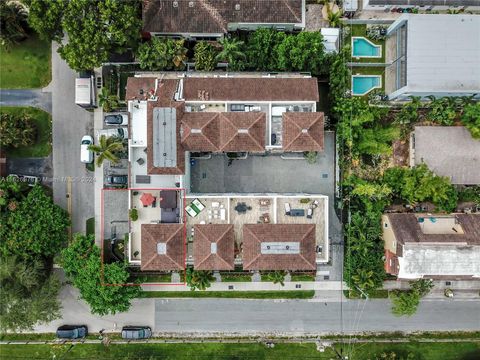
column 435, row 54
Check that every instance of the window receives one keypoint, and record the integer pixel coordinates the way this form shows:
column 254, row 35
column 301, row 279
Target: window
column 385, row 225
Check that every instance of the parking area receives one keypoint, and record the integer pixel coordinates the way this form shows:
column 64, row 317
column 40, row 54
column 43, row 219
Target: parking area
column 115, row 213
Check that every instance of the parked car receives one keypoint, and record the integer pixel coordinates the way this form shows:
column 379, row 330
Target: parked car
column 136, row 332
column 29, row 179
column 121, row 133
column 72, row 332
column 86, row 156
column 116, row 119
column 116, row 180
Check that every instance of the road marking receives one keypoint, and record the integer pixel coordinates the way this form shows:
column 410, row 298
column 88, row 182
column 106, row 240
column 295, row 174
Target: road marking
column 69, row 205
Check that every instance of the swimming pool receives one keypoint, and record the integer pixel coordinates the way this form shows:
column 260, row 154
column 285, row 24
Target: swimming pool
column 362, row 47
column 363, row 84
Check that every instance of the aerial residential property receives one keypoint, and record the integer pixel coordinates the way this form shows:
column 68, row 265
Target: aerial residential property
column 240, row 179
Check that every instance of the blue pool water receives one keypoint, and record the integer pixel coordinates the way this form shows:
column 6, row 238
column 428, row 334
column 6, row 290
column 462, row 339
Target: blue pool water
column 361, row 47
column 361, row 85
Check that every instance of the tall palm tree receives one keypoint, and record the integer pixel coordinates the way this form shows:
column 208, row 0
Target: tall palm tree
column 106, row 149
column 200, row 280
column 107, row 101
column 277, row 277
column 13, row 23
column 232, row 52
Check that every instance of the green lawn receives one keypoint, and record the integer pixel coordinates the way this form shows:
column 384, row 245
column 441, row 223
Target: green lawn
column 26, row 65
column 302, row 277
column 226, row 277
column 217, row 351
column 43, row 121
column 294, row 294
column 158, row 278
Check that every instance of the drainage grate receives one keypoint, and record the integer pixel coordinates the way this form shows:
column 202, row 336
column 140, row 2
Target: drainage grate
column 324, row 176
column 204, row 175
column 298, row 286
column 326, row 277
column 230, row 287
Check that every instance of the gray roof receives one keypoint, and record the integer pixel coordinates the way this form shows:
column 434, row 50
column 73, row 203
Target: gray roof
column 449, row 151
column 426, row 2
column 442, row 52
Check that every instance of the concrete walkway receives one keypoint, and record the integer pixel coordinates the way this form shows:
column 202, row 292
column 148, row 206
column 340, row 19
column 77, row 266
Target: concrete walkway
column 39, row 98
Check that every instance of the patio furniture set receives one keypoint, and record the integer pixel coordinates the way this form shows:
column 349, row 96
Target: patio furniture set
column 169, row 212
column 301, row 212
column 217, row 210
column 242, row 208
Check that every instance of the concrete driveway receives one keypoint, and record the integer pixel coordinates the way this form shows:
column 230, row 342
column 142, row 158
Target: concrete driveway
column 26, row 97
column 70, row 123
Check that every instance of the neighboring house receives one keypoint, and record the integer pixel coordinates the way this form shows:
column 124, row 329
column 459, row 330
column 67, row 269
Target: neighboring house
column 213, row 18
column 424, row 5
column 331, row 39
column 433, row 54
column 432, row 246
column 448, row 151
column 172, row 116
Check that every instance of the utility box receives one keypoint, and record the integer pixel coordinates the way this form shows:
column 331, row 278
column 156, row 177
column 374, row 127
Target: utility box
column 85, row 95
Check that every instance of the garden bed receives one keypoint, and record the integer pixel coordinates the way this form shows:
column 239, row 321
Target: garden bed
column 294, row 294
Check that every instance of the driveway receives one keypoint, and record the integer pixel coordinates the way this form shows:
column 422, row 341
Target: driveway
column 70, row 123
column 271, row 173
column 26, row 97
column 32, row 166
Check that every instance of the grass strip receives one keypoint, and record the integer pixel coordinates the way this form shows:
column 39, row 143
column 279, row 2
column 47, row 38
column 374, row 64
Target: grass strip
column 293, row 294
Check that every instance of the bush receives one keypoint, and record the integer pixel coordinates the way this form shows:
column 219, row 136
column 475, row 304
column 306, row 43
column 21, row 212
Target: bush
column 17, row 130
column 471, row 119
column 205, row 56
column 374, row 32
column 162, row 54
column 199, row 280
column 133, row 214
column 310, row 156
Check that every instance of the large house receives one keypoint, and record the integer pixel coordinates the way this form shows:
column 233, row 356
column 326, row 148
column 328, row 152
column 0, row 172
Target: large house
column 425, row 5
column 432, row 246
column 458, row 158
column 433, row 54
column 213, row 18
column 175, row 118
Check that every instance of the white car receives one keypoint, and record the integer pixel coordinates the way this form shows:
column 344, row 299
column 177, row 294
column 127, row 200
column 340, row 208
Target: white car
column 86, row 156
column 116, row 119
column 121, row 133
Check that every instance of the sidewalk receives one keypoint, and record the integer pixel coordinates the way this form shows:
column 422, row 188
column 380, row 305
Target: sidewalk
column 255, row 286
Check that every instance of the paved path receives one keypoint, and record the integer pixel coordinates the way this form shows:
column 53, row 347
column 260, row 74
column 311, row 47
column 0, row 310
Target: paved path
column 26, row 97
column 70, row 123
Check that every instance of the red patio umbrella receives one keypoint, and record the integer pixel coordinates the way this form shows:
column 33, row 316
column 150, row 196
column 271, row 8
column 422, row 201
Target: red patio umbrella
column 147, row 199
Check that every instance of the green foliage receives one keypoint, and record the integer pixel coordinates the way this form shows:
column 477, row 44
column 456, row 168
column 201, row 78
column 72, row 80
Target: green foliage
column 442, row 111
column 233, row 53
column 261, row 48
column 107, row 101
column 406, row 302
column 106, row 149
column 339, row 76
column 310, row 156
column 205, row 56
column 13, row 23
column 99, row 285
column 419, row 184
column 95, row 28
column 198, row 279
column 27, row 295
column 471, row 193
column 45, row 17
column 470, row 118
column 408, row 115
column 133, row 214
column 17, row 130
column 36, row 227
column 162, row 54
column 277, row 277
column 11, row 193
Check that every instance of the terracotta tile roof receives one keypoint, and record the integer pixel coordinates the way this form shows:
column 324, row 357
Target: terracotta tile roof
column 302, row 131
column 407, row 229
column 250, row 89
column 242, row 131
column 135, row 84
column 213, row 247
column 165, row 91
column 169, row 234
column 213, row 16
column 201, row 131
column 256, row 234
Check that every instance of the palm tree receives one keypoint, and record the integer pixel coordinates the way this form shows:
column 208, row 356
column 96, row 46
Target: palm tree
column 277, row 277
column 13, row 23
column 200, row 280
column 179, row 54
column 231, row 52
column 106, row 149
column 107, row 100
column 364, row 279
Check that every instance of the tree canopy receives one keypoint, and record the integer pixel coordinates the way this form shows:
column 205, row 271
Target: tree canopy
column 471, row 119
column 162, row 54
column 35, row 226
column 94, row 28
column 99, row 285
column 17, row 130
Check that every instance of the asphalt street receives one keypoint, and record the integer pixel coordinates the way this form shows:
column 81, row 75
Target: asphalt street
column 70, row 123
column 26, row 97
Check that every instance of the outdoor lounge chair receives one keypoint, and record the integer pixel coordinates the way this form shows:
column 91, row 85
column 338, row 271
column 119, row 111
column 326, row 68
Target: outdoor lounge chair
column 287, row 209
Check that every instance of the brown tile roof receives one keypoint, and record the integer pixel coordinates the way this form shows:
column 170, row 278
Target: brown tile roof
column 135, row 84
column 250, row 89
column 223, row 237
column 206, row 131
column 302, row 131
column 213, row 16
column 242, row 131
column 407, row 229
column 170, row 234
column 165, row 91
column 255, row 234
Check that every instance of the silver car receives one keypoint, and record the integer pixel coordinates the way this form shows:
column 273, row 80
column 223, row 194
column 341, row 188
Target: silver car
column 136, row 332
